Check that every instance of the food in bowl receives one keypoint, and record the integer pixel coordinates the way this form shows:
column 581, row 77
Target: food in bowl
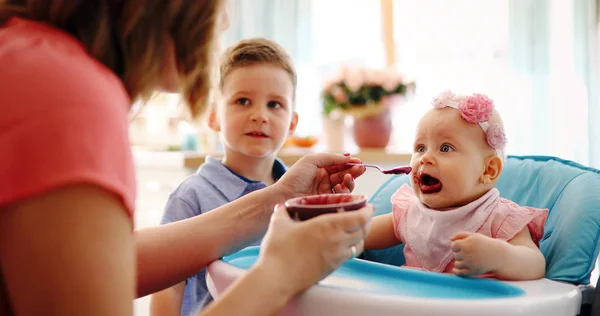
column 307, row 207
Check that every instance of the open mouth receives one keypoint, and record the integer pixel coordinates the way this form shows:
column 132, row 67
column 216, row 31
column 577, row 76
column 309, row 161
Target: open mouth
column 257, row 134
column 428, row 184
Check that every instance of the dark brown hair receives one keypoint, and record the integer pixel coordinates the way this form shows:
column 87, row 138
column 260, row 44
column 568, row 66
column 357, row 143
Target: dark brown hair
column 130, row 37
column 254, row 51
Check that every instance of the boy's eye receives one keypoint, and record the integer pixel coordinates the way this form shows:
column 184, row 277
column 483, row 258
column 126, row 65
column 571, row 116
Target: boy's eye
column 420, row 149
column 274, row 105
column 243, row 101
column 446, row 148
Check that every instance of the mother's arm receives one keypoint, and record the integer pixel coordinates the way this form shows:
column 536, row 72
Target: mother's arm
column 187, row 246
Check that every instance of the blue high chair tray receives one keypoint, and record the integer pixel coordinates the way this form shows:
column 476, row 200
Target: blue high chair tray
column 379, row 278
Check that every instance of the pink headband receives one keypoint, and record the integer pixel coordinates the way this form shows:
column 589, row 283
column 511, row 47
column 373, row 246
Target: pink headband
column 478, row 109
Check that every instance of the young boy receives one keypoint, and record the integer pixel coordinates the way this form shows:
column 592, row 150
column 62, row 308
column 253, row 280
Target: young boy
column 254, row 115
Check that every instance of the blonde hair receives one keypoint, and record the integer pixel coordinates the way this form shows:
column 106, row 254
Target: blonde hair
column 130, row 36
column 255, row 51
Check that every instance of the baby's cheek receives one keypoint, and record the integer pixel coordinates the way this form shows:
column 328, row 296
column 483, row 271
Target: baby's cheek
column 463, row 176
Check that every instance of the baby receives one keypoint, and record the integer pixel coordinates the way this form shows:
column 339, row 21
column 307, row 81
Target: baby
column 453, row 219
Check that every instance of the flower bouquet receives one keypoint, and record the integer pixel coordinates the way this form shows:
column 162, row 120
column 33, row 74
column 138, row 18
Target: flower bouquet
column 363, row 92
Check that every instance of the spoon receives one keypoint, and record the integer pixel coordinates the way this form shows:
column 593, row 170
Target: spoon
column 395, row 170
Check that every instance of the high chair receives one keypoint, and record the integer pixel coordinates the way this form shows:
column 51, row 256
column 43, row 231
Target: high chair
column 571, row 239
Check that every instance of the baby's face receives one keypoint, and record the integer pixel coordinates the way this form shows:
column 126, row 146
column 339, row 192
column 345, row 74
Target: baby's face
column 448, row 160
column 256, row 114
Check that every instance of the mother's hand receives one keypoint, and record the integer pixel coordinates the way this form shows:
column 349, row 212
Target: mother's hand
column 320, row 174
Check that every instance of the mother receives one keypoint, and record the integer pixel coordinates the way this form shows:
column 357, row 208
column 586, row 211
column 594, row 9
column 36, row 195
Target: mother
column 69, row 70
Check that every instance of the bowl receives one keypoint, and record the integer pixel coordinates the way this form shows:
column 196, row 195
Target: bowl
column 306, row 207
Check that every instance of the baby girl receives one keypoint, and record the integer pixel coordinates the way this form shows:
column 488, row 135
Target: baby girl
column 453, row 219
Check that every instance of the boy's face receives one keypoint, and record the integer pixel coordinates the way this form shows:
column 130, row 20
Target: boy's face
column 255, row 114
column 448, row 161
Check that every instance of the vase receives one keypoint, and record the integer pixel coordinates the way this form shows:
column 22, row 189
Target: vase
column 333, row 132
column 373, row 131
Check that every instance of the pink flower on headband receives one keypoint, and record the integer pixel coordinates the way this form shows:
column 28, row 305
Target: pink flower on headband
column 476, row 109
column 495, row 136
column 442, row 99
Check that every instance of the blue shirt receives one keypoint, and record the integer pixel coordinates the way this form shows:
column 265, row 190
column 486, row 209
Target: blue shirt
column 211, row 186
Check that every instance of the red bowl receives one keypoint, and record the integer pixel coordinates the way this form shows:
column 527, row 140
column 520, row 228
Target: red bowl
column 307, row 207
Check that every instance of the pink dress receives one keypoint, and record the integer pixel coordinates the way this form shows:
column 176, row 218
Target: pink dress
column 426, row 232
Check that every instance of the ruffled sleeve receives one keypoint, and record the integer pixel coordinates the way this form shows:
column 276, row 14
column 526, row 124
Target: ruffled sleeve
column 400, row 202
column 518, row 217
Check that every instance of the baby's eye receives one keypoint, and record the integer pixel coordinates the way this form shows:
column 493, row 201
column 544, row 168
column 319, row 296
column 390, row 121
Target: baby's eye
column 420, row 149
column 446, row 148
column 243, row 101
column 274, row 105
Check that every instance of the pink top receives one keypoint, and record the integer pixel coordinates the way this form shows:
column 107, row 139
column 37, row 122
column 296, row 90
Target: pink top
column 63, row 117
column 426, row 233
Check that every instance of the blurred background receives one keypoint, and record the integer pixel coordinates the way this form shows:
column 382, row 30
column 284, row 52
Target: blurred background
column 537, row 59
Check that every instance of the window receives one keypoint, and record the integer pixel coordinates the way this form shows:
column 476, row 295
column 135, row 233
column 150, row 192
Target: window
column 343, row 32
column 346, row 30
column 520, row 53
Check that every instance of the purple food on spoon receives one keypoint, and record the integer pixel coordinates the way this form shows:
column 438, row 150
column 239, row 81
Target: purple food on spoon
column 395, row 170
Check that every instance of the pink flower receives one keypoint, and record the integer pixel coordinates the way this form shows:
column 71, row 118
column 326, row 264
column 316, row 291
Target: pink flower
column 340, row 74
column 339, row 94
column 442, row 99
column 354, row 79
column 476, row 109
column 328, row 84
column 392, row 81
column 495, row 136
column 374, row 77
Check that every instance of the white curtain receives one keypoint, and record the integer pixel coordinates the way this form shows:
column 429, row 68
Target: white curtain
column 551, row 54
column 284, row 21
column 587, row 68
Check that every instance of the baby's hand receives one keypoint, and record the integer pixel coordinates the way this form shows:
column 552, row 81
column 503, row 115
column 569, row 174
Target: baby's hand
column 474, row 253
